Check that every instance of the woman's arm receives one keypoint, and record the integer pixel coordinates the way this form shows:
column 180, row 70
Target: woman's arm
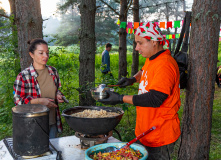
column 21, row 92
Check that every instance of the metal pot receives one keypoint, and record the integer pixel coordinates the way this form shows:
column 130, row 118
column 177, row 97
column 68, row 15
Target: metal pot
column 30, row 129
column 92, row 126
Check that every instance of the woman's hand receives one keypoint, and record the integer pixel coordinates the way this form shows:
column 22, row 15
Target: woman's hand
column 59, row 98
column 50, row 103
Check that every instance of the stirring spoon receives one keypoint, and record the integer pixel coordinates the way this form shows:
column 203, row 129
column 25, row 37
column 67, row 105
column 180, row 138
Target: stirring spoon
column 112, row 148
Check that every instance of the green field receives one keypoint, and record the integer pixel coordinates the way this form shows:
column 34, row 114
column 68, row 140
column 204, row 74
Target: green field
column 67, row 63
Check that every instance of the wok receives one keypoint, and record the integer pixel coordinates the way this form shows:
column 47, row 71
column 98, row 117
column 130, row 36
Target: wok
column 92, row 126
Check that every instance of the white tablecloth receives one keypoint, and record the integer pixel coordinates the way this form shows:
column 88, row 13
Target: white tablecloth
column 70, row 147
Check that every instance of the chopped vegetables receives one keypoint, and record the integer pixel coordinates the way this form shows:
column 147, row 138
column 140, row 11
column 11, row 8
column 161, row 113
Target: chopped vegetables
column 125, row 153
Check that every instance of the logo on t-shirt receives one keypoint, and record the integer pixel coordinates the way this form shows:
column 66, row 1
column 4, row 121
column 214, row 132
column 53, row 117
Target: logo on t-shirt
column 143, row 84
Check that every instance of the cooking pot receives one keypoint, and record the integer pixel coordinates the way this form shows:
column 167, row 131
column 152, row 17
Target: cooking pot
column 92, row 126
column 30, row 129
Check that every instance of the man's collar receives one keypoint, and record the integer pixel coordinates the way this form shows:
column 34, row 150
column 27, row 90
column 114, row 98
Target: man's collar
column 156, row 55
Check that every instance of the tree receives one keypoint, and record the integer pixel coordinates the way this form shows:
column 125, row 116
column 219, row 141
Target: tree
column 123, row 41
column 87, row 49
column 197, row 114
column 27, row 16
column 135, row 62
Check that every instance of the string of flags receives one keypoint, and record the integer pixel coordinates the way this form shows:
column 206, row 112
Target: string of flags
column 132, row 26
column 164, row 25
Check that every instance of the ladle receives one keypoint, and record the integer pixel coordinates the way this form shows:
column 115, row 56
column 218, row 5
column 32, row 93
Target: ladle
column 112, row 148
column 101, row 87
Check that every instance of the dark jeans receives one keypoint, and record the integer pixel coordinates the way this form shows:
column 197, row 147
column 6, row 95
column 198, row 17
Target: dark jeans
column 159, row 153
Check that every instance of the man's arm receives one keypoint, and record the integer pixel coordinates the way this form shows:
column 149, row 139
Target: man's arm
column 150, row 99
column 138, row 75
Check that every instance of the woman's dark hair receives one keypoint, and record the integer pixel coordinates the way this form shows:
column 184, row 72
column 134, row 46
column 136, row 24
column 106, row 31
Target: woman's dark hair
column 34, row 42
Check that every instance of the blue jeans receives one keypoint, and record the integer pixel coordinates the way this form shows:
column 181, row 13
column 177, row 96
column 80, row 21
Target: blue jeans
column 53, row 131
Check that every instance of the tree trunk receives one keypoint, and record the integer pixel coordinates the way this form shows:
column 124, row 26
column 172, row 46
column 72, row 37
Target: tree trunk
column 197, row 114
column 87, row 51
column 167, row 18
column 175, row 40
column 29, row 26
column 123, row 41
column 14, row 28
column 135, row 62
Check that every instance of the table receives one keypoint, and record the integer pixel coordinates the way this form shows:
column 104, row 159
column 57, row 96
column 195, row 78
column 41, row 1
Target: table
column 70, row 147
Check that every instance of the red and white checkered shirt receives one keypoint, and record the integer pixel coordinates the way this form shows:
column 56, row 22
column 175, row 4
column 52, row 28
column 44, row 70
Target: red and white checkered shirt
column 26, row 88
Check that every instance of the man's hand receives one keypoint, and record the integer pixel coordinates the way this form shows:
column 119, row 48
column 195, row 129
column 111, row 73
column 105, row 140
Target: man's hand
column 123, row 82
column 113, row 98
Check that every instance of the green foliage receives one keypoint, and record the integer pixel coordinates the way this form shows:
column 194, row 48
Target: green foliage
column 9, row 68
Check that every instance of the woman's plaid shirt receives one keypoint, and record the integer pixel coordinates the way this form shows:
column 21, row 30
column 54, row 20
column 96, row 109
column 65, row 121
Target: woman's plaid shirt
column 26, row 88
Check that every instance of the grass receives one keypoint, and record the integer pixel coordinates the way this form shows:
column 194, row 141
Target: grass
column 66, row 61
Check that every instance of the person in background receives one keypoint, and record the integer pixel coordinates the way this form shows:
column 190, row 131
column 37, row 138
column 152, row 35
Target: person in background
column 218, row 76
column 106, row 59
column 39, row 83
column 158, row 99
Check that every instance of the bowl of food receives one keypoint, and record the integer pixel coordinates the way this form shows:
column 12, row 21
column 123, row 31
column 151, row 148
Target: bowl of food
column 93, row 120
column 100, row 92
column 134, row 151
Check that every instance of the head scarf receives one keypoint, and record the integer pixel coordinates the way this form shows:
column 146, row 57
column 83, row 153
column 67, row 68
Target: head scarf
column 151, row 31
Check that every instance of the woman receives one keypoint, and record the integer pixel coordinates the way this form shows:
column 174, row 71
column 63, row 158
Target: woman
column 39, row 83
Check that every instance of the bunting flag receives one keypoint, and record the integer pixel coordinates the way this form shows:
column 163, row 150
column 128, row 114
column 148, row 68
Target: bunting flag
column 169, row 24
column 176, row 24
column 170, row 36
column 118, row 22
column 164, row 25
column 123, row 24
column 136, row 25
column 129, row 25
column 177, row 35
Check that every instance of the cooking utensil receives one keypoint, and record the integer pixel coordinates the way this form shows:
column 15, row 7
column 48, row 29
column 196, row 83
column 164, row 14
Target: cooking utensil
column 110, row 149
column 92, row 126
column 100, row 92
column 65, row 100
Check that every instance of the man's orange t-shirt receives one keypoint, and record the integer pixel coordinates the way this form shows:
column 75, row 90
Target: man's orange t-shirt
column 160, row 74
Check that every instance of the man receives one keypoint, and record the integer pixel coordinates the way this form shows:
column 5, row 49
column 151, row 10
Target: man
column 106, row 59
column 158, row 98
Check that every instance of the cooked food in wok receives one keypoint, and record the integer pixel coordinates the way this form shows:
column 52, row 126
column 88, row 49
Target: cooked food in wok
column 88, row 113
column 125, row 153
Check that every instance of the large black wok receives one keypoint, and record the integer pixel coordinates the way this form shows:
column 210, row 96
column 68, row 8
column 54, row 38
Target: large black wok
column 92, row 126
